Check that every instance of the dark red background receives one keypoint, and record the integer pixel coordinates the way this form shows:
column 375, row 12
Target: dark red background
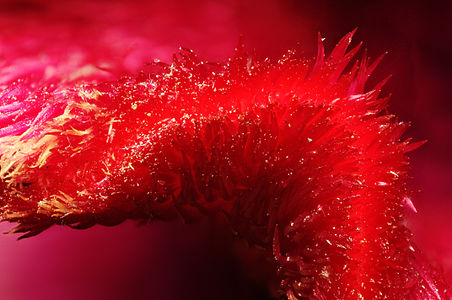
column 176, row 261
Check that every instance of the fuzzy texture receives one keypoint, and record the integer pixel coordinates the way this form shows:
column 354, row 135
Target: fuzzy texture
column 304, row 162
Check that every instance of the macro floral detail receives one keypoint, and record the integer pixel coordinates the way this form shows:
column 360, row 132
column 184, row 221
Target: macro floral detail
column 300, row 156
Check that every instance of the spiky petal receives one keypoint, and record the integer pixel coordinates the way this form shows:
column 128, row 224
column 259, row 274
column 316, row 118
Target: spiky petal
column 301, row 158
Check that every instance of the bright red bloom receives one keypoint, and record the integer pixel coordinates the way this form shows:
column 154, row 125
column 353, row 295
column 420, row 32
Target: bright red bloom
column 303, row 161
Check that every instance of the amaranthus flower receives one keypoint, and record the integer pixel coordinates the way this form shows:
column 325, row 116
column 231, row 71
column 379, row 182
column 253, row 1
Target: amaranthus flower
column 303, row 160
column 300, row 157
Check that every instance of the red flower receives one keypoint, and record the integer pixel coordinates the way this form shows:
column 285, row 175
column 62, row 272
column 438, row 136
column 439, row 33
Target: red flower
column 303, row 161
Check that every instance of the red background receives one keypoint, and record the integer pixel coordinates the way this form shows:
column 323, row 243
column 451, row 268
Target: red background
column 175, row 261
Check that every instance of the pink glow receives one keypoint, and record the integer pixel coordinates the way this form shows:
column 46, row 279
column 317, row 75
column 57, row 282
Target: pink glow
column 55, row 265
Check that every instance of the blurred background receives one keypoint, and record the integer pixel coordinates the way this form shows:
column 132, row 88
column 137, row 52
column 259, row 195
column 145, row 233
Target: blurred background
column 173, row 261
